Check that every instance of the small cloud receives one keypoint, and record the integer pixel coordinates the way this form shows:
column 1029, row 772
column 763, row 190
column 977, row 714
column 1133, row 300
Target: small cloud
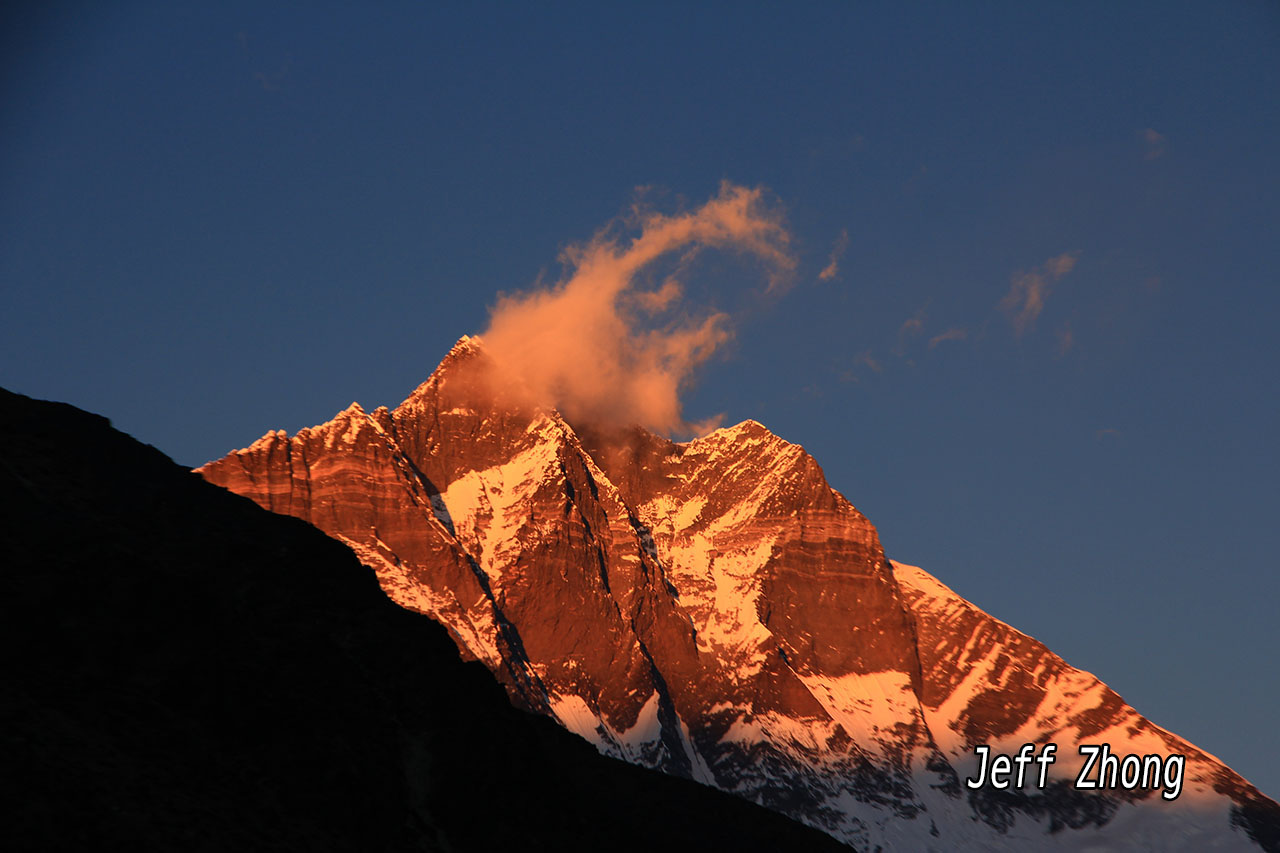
column 1061, row 265
column 832, row 269
column 274, row 81
column 1155, row 144
column 1066, row 339
column 1030, row 290
column 955, row 333
column 865, row 359
column 1100, row 434
column 913, row 325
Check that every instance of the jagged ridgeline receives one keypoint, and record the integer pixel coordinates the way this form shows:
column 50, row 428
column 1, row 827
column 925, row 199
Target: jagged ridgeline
column 715, row 610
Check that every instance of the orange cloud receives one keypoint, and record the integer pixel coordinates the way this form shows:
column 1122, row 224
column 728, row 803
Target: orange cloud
column 865, row 359
column 952, row 334
column 912, row 326
column 595, row 344
column 1029, row 291
column 832, row 269
column 657, row 301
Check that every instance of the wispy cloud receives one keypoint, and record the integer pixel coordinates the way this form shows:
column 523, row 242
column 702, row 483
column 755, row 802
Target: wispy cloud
column 1030, row 290
column 1155, row 144
column 917, row 178
column 865, row 359
column 273, row 81
column 832, row 269
column 602, row 349
column 913, row 325
column 1066, row 339
column 955, row 333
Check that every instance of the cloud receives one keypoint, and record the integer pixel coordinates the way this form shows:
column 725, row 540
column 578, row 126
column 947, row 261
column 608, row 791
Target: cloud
column 913, row 325
column 272, row 81
column 917, row 178
column 832, row 269
column 1155, row 143
column 955, row 333
column 1066, row 339
column 600, row 347
column 1029, row 291
column 865, row 359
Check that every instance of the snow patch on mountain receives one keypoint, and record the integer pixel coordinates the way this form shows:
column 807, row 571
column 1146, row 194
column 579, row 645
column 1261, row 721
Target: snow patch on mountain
column 576, row 715
column 473, row 626
column 488, row 509
column 872, row 708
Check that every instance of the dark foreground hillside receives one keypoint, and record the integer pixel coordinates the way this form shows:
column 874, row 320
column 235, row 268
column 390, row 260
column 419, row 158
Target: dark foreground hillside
column 191, row 672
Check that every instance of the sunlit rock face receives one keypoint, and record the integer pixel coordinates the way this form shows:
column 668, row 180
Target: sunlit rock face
column 715, row 610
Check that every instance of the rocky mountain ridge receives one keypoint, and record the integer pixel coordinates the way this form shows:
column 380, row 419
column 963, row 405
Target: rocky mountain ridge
column 715, row 610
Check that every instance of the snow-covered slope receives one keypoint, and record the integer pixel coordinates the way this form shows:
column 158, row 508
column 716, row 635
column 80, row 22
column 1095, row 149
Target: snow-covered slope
column 715, row 610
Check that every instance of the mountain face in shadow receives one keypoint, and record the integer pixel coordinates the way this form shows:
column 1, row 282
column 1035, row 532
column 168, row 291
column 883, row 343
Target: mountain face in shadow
column 188, row 671
column 714, row 609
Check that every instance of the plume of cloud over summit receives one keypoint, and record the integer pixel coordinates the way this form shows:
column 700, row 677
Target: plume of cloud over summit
column 601, row 347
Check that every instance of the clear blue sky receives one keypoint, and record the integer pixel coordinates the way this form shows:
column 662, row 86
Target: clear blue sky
column 215, row 221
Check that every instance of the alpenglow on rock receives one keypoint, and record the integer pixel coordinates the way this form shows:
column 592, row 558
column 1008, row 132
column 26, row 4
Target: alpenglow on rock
column 715, row 610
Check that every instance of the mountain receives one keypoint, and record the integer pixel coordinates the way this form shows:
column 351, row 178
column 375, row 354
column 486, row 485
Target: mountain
column 714, row 609
column 186, row 671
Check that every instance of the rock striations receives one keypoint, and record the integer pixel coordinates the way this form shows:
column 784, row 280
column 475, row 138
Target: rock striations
column 716, row 610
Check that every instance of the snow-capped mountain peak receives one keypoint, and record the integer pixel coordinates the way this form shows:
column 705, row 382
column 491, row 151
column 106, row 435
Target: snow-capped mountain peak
column 714, row 609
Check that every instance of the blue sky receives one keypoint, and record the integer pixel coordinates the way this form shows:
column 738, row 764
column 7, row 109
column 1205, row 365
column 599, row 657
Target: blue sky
column 216, row 221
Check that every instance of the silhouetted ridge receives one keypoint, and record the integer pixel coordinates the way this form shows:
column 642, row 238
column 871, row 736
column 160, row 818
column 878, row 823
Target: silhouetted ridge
column 192, row 672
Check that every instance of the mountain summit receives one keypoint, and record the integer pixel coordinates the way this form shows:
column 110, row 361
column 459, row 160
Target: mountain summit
column 715, row 610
